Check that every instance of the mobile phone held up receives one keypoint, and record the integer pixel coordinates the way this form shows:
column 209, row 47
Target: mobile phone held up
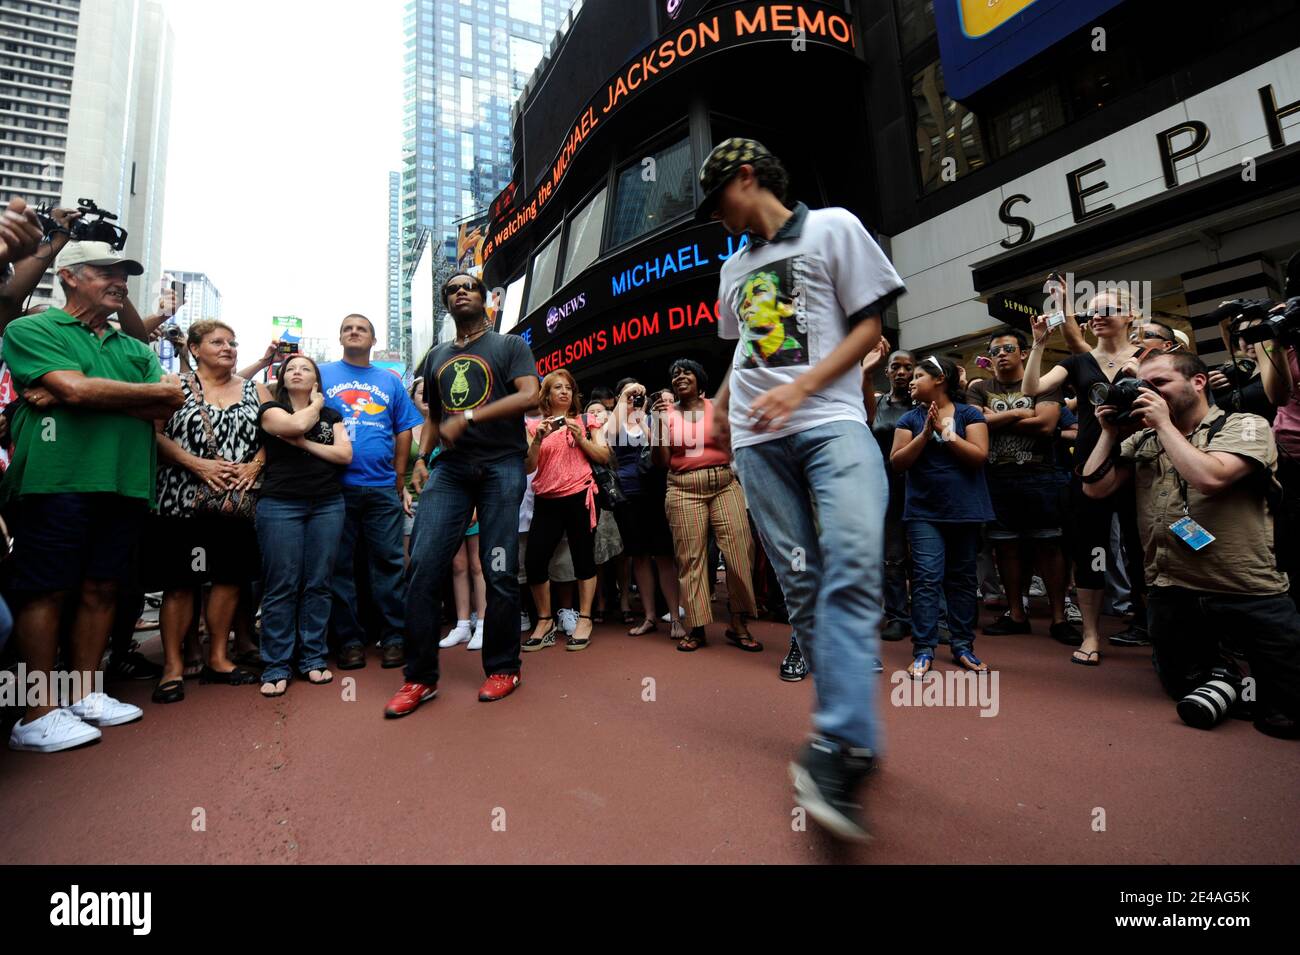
column 1054, row 287
column 984, row 361
column 288, row 348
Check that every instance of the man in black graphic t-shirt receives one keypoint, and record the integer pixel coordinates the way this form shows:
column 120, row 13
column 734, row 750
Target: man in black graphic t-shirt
column 478, row 388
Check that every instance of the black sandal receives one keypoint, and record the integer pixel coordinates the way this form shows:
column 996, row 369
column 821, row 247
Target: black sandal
column 738, row 639
column 696, row 640
column 236, row 677
column 545, row 640
column 173, row 691
column 573, row 643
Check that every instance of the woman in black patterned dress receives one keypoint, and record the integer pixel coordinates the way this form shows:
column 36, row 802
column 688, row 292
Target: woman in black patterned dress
column 189, row 549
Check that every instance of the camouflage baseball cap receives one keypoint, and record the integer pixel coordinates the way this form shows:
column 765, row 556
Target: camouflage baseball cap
column 723, row 163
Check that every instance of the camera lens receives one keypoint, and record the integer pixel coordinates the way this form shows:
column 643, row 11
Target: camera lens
column 1099, row 394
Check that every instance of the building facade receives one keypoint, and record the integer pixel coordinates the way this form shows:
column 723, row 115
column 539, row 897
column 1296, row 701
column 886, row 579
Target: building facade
column 393, row 339
column 85, row 102
column 983, row 146
column 464, row 66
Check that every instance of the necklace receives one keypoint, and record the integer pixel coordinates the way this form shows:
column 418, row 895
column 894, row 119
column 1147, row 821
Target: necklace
column 462, row 342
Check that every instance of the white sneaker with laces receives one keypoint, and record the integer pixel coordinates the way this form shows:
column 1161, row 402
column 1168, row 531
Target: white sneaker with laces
column 460, row 633
column 56, row 730
column 101, row 709
column 567, row 619
column 476, row 641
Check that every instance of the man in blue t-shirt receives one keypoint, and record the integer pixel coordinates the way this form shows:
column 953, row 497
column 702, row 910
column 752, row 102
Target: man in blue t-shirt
column 379, row 415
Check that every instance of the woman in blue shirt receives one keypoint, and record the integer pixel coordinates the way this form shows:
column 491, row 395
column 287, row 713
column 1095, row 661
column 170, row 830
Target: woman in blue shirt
column 941, row 445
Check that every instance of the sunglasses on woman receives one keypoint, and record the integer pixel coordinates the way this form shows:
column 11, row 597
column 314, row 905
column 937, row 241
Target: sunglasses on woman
column 1112, row 311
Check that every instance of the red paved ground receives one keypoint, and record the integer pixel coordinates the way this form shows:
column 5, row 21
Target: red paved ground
column 586, row 771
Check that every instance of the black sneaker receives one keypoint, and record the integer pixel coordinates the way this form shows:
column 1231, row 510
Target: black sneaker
column 1005, row 625
column 826, row 780
column 131, row 666
column 895, row 630
column 1135, row 635
column 794, row 668
column 1064, row 633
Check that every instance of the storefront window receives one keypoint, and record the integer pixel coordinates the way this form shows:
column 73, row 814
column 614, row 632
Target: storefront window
column 584, row 236
column 542, row 283
column 652, row 191
column 948, row 139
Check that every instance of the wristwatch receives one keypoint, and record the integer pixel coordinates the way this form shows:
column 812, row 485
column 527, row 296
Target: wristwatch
column 469, row 416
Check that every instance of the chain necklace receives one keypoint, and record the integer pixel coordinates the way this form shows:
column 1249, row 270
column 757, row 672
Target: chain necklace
column 462, row 342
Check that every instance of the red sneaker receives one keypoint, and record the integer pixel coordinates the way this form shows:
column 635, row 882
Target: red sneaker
column 498, row 686
column 408, row 698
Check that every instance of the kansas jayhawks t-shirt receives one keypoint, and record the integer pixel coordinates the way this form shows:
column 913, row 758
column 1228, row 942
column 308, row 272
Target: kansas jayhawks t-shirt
column 376, row 408
column 482, row 372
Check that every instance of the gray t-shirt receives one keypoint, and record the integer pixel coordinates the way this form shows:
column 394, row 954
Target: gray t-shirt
column 789, row 303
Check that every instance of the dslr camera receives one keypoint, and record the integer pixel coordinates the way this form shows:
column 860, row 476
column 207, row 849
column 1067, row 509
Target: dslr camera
column 93, row 226
column 1206, row 706
column 1119, row 394
column 1284, row 327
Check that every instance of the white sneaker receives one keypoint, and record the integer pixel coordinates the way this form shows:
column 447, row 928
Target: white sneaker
column 100, row 709
column 567, row 619
column 476, row 642
column 459, row 634
column 1037, row 588
column 56, row 730
column 524, row 623
column 1072, row 613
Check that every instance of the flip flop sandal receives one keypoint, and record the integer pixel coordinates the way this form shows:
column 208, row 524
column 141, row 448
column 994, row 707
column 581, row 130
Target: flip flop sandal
column 173, row 691
column 695, row 643
column 274, row 690
column 738, row 640
column 326, row 677
column 920, row 665
column 970, row 662
column 644, row 627
column 1088, row 660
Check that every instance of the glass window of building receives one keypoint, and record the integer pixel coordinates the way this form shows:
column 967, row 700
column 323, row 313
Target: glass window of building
column 513, row 305
column 948, row 139
column 467, row 95
column 543, row 279
column 1032, row 117
column 524, row 55
column 467, row 151
column 584, row 236
column 649, row 195
column 466, row 39
column 529, row 10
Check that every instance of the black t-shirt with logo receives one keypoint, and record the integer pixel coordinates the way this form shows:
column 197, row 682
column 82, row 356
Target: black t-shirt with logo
column 478, row 374
column 294, row 473
column 1010, row 452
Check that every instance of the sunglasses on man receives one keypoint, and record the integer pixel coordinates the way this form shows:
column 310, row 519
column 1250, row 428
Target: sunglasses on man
column 1008, row 349
column 455, row 287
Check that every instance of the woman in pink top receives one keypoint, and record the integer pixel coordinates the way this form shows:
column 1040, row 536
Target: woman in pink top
column 561, row 448
column 704, row 493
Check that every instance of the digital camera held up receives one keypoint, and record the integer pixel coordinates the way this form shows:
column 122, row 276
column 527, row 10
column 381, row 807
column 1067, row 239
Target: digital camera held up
column 93, row 226
column 1119, row 394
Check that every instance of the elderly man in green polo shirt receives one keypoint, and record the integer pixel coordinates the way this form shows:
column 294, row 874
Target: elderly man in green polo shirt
column 81, row 481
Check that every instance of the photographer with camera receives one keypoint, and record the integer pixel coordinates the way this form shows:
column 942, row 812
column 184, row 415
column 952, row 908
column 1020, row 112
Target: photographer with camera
column 81, row 481
column 1203, row 481
column 1274, row 331
column 1238, row 385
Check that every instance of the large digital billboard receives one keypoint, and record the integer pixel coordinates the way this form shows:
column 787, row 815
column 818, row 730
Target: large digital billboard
column 983, row 40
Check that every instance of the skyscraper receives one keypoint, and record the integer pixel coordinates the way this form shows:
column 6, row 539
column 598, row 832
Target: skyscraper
column 464, row 66
column 202, row 299
column 85, row 100
column 394, row 340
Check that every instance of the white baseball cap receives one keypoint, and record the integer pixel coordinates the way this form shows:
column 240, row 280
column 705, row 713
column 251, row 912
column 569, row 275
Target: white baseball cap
column 94, row 253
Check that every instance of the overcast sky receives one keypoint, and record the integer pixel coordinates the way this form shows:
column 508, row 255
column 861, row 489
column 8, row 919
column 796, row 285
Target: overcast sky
column 286, row 119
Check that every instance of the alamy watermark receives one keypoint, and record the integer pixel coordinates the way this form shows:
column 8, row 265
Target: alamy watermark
column 947, row 688
column 34, row 688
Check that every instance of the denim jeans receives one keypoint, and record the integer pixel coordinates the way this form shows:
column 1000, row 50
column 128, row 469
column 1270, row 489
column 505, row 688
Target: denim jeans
column 896, row 572
column 299, row 539
column 944, row 556
column 376, row 512
column 455, row 488
column 832, row 585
